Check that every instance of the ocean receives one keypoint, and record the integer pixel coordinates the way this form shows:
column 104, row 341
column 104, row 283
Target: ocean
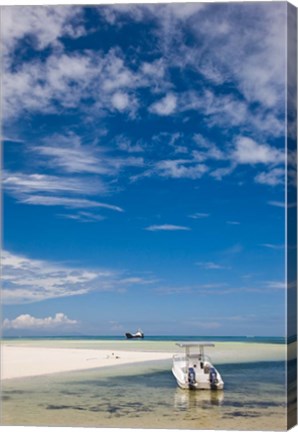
column 174, row 338
column 145, row 395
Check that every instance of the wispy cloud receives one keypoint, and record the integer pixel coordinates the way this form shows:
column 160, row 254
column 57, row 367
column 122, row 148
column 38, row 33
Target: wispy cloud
column 273, row 246
column 48, row 190
column 222, row 320
column 282, row 204
column 69, row 154
column 233, row 223
column 179, row 168
column 199, row 215
column 206, row 324
column 167, row 227
column 19, row 184
column 209, row 265
column 26, row 321
column 27, row 280
column 207, row 149
column 233, row 250
column 67, row 202
column 273, row 177
column 126, row 145
column 84, row 216
column 277, row 203
column 279, row 285
column 222, row 289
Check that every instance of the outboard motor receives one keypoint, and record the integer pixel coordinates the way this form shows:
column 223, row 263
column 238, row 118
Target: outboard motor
column 191, row 376
column 213, row 377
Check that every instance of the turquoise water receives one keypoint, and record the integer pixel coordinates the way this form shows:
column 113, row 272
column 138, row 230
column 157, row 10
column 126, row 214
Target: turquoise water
column 255, row 339
column 146, row 396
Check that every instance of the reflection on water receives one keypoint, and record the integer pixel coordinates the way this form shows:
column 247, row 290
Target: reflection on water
column 147, row 396
column 185, row 399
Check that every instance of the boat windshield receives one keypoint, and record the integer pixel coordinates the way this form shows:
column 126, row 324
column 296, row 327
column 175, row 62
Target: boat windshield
column 194, row 357
column 194, row 351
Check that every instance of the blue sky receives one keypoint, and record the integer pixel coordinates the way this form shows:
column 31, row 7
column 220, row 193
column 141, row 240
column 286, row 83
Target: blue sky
column 143, row 182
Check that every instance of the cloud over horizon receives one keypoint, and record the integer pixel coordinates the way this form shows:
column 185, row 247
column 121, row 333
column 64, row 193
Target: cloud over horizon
column 27, row 321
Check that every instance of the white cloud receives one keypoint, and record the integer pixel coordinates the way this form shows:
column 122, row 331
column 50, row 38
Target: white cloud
column 233, row 223
column 83, row 216
column 26, row 184
column 280, row 285
column 46, row 87
column 125, row 144
column 277, row 203
column 248, row 151
column 184, row 11
column 236, row 62
column 63, row 82
column 27, row 280
column 45, row 24
column 120, row 101
column 66, row 202
column 210, row 150
column 27, row 321
column 167, row 227
column 273, row 246
column 180, row 168
column 66, row 81
column 42, row 189
column 219, row 173
column 69, row 153
column 273, row 177
column 199, row 215
column 166, row 106
column 210, row 265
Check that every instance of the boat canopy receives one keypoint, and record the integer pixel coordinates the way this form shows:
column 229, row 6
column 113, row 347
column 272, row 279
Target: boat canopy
column 199, row 345
column 194, row 344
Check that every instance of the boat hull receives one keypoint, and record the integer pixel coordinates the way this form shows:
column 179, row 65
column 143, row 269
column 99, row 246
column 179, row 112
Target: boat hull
column 202, row 376
column 134, row 336
column 185, row 385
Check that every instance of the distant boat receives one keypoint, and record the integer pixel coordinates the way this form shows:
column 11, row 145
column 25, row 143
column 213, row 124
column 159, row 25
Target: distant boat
column 194, row 371
column 138, row 335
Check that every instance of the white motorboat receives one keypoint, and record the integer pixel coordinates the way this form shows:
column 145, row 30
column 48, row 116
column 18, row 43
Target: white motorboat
column 194, row 370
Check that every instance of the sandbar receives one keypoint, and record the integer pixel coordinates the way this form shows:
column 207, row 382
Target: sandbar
column 20, row 361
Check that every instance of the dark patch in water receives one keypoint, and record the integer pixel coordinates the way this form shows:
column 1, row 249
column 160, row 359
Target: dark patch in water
column 61, row 407
column 5, row 398
column 134, row 404
column 17, row 392
column 258, row 404
column 241, row 414
column 69, row 393
column 112, row 409
column 150, row 380
column 57, row 407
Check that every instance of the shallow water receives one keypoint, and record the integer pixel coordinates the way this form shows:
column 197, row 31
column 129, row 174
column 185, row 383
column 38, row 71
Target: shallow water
column 146, row 396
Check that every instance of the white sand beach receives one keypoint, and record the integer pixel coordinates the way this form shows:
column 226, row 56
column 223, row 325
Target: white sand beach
column 24, row 361
column 20, row 362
